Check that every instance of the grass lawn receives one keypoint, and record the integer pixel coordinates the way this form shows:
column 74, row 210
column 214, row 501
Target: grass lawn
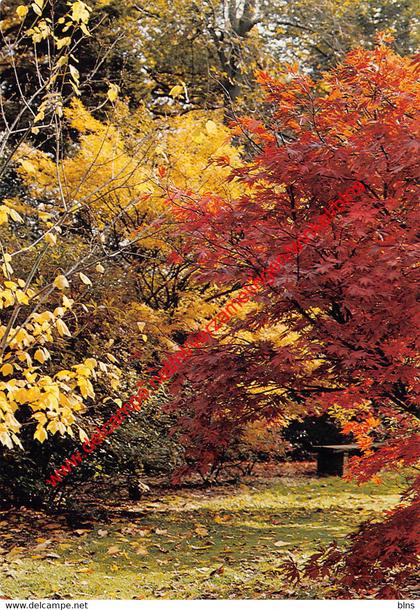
column 223, row 542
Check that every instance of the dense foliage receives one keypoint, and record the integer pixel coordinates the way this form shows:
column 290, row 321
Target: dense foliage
column 328, row 336
column 152, row 159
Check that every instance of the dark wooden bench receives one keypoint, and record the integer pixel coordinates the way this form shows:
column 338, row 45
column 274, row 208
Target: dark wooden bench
column 332, row 458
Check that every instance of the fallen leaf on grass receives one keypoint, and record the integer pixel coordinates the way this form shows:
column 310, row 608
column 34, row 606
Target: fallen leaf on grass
column 113, row 550
column 43, row 545
column 15, row 550
column 201, row 531
column 219, row 570
column 281, row 543
column 222, row 518
column 81, row 532
column 144, row 532
column 129, row 530
column 102, row 533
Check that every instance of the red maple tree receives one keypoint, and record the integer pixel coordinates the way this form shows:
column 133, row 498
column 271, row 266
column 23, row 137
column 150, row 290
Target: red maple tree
column 348, row 298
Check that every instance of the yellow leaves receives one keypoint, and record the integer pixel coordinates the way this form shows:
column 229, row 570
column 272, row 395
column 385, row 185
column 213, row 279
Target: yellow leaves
column 113, row 92
column 62, row 328
column 91, row 363
column 176, row 91
column 50, row 238
column 114, row 383
column 42, row 30
column 6, row 267
column 53, row 401
column 80, row 12
column 82, row 435
column 99, row 268
column 15, row 216
column 5, row 212
column 61, row 282
column 201, row 531
column 39, row 116
column 62, row 42
column 22, row 11
column 40, row 434
column 211, row 127
column 6, row 439
column 45, row 316
column 28, row 166
column 74, row 72
column 27, row 395
column 82, row 370
column 81, row 119
column 37, row 7
column 74, row 78
column 55, row 426
column 41, row 418
column 67, row 302
column 41, row 355
column 21, row 297
column 222, row 518
column 6, row 369
column 86, row 388
column 13, row 294
column 85, row 279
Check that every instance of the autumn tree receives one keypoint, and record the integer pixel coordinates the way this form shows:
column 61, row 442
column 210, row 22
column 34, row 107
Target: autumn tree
column 318, row 34
column 334, row 331
column 90, row 260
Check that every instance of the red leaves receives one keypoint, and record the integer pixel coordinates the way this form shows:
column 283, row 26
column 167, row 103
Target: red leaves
column 174, row 258
column 346, row 303
column 398, row 452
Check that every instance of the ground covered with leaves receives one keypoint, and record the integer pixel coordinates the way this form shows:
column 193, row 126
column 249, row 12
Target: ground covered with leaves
column 217, row 542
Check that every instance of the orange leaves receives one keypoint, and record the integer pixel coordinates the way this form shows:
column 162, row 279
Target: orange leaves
column 361, row 430
column 401, row 451
column 254, row 126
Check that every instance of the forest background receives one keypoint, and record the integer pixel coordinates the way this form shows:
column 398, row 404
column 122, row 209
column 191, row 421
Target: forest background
column 152, row 157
